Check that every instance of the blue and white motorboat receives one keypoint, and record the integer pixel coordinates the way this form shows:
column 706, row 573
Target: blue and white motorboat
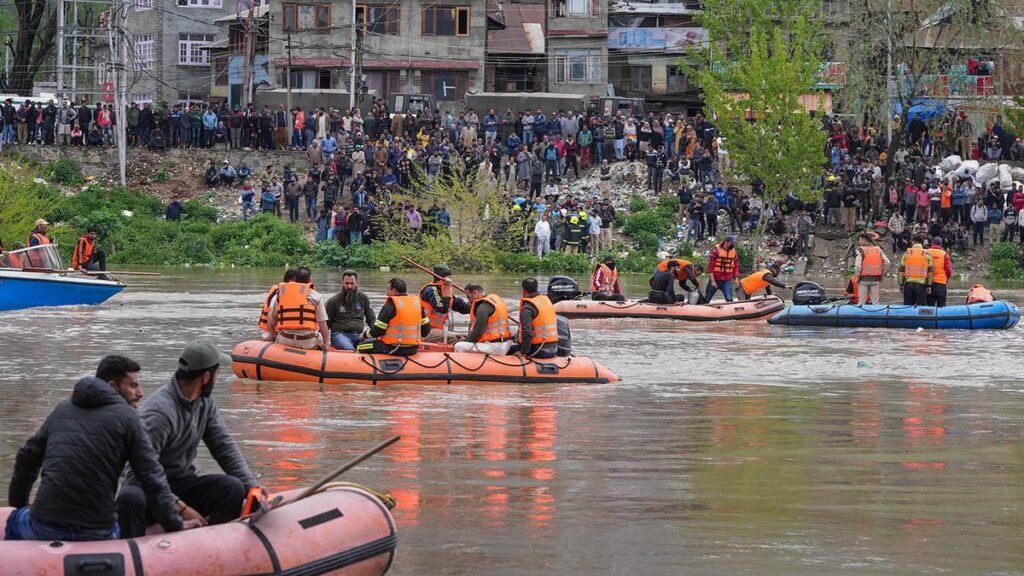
column 33, row 277
column 998, row 315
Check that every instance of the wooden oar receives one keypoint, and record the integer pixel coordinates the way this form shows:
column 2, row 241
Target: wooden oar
column 454, row 285
column 278, row 501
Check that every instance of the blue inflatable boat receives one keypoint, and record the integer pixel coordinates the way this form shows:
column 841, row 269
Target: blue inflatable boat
column 998, row 315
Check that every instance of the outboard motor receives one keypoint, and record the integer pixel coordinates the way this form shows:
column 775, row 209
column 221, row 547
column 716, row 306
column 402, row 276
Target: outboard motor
column 563, row 288
column 809, row 293
column 564, row 336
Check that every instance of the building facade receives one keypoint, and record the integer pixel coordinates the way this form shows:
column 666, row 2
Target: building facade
column 409, row 47
column 577, row 47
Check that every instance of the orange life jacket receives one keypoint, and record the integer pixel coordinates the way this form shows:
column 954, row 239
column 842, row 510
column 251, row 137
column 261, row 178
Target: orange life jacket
column 83, row 252
column 41, row 239
column 916, row 264
column 979, row 293
column 755, row 282
column 294, row 311
column 14, row 260
column 946, row 200
column 438, row 320
column 853, row 291
column 265, row 313
column 725, row 260
column 497, row 325
column 938, row 265
column 871, row 264
column 681, row 275
column 545, row 325
column 608, row 279
column 404, row 328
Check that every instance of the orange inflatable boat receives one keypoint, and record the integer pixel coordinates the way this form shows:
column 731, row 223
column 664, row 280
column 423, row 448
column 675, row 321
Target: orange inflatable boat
column 340, row 530
column 745, row 310
column 269, row 361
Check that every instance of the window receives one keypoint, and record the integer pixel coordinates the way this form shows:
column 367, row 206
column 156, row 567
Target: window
column 578, row 66
column 444, row 85
column 319, row 79
column 200, row 3
column 144, row 51
column 579, row 7
column 141, row 5
column 677, row 81
column 142, row 97
column 446, row 21
column 383, row 82
column 640, row 77
column 306, row 17
column 379, row 19
column 192, row 51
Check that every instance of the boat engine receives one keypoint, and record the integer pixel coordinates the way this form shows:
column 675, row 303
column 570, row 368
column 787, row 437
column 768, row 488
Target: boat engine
column 562, row 288
column 809, row 293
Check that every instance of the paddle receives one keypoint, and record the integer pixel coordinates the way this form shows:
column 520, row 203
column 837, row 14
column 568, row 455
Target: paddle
column 454, row 285
column 278, row 500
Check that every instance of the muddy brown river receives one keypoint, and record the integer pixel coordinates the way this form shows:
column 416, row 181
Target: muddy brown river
column 728, row 448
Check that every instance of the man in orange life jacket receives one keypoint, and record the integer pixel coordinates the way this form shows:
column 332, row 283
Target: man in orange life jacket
column 604, row 282
column 688, row 276
column 868, row 271
column 760, row 280
column 13, row 259
column 297, row 315
column 943, row 272
column 86, row 256
column 38, row 235
column 724, row 265
column 916, row 273
column 439, row 302
column 289, row 276
column 489, row 331
column 538, row 324
column 400, row 326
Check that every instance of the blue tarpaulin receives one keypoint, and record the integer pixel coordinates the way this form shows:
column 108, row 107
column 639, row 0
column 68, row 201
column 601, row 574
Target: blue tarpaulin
column 923, row 109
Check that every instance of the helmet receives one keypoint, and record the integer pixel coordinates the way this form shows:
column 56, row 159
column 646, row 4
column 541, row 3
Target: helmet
column 832, row 178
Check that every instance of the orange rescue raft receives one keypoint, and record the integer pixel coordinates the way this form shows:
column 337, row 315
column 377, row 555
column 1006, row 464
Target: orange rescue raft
column 340, row 530
column 757, row 308
column 260, row 360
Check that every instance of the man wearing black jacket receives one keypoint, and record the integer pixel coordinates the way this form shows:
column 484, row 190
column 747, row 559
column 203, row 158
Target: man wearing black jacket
column 83, row 446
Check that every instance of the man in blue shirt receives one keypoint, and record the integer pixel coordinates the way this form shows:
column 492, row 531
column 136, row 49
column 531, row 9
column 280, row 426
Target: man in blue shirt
column 491, row 122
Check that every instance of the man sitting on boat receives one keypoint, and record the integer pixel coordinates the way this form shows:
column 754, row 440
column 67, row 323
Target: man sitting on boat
column 489, row 331
column 83, row 446
column 663, row 284
column 439, row 301
column 179, row 415
column 348, row 313
column 604, row 282
column 400, row 326
column 688, row 276
column 86, row 257
column 538, row 324
column 298, row 317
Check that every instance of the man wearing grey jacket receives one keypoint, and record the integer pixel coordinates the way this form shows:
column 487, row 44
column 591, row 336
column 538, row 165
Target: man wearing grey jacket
column 177, row 417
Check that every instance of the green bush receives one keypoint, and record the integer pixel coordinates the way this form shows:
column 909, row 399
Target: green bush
column 638, row 204
column 1006, row 262
column 647, row 221
column 746, row 259
column 64, row 171
column 647, row 241
column 197, row 210
column 668, row 205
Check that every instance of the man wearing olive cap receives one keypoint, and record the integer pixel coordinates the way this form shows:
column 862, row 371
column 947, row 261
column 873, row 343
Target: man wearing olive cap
column 439, row 301
column 177, row 416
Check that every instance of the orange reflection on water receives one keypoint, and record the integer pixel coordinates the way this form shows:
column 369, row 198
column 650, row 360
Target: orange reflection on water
column 405, row 453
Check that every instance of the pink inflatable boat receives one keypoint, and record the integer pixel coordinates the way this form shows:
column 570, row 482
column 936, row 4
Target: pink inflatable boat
column 340, row 530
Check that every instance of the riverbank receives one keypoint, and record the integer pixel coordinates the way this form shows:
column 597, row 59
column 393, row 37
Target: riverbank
column 77, row 188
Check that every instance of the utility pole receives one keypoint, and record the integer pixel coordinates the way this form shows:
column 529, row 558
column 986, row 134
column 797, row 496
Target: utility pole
column 253, row 36
column 74, row 50
column 116, row 27
column 60, row 49
column 7, row 58
column 352, row 61
column 288, row 74
column 889, row 80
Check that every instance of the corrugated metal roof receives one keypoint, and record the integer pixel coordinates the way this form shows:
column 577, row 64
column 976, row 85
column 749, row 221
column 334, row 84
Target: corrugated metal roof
column 523, row 33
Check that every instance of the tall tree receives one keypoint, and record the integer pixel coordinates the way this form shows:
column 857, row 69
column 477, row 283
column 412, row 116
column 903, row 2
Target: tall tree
column 34, row 42
column 759, row 69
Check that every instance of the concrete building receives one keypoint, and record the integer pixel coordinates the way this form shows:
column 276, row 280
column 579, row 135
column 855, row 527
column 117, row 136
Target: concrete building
column 228, row 60
column 577, row 34
column 646, row 41
column 171, row 61
column 409, row 47
column 516, row 47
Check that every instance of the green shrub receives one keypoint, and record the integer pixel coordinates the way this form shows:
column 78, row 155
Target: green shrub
column 647, row 221
column 647, row 241
column 638, row 204
column 197, row 210
column 668, row 205
column 746, row 259
column 64, row 171
column 1006, row 262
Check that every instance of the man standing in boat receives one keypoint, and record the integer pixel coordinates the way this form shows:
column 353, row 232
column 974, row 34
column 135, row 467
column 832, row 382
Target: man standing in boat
column 916, row 272
column 82, row 448
column 724, row 266
column 86, row 257
column 400, row 326
column 177, row 417
column 38, row 235
column 869, row 269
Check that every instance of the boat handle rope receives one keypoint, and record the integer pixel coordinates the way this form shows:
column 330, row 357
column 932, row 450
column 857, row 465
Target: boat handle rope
column 385, row 498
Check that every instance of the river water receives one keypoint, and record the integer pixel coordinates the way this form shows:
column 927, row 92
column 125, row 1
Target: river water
column 729, row 448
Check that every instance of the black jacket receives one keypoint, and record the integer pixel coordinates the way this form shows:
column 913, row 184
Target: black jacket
column 81, row 449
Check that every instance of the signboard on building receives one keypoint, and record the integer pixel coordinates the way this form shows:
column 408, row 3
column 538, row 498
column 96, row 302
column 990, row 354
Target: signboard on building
column 676, row 39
